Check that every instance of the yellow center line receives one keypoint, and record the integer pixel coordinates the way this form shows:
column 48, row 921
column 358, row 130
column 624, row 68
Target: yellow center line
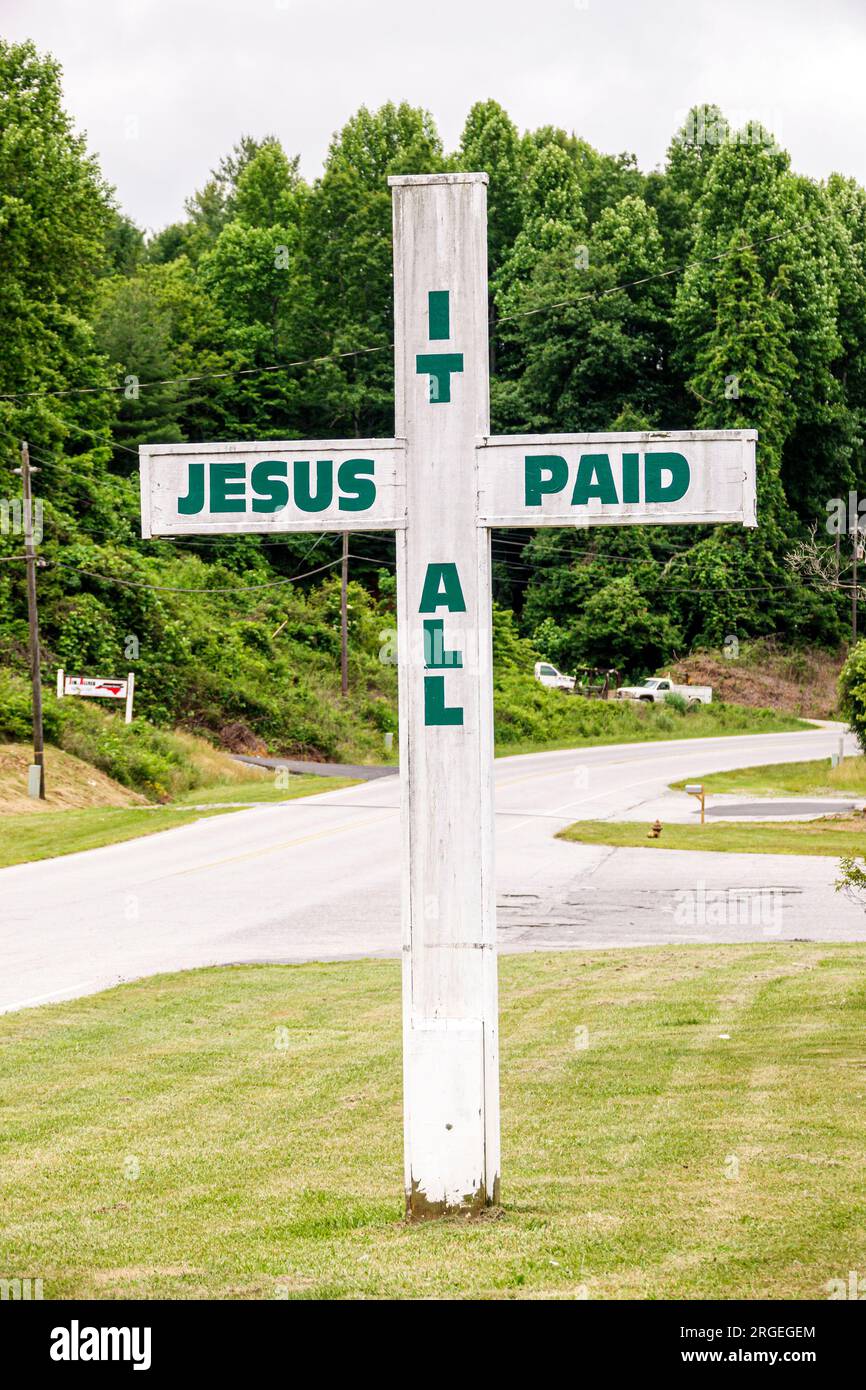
column 284, row 844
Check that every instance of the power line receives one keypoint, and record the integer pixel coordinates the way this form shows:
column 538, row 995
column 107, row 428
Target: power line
column 381, row 562
column 105, row 439
column 600, row 554
column 198, row 376
column 493, row 324
column 645, row 279
column 183, row 589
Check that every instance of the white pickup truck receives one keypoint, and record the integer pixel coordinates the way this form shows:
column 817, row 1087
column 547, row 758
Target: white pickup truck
column 657, row 688
column 549, row 676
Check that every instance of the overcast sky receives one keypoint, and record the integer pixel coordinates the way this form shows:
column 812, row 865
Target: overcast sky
column 163, row 88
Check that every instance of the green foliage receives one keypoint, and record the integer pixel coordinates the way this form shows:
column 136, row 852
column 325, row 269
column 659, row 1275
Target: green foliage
column 617, row 301
column 16, row 720
column 526, row 713
column 852, row 878
column 852, row 692
column 619, row 627
column 146, row 759
column 673, row 700
column 552, row 642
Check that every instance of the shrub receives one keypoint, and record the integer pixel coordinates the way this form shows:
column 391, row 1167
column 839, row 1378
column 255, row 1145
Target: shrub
column 16, row 720
column 852, row 692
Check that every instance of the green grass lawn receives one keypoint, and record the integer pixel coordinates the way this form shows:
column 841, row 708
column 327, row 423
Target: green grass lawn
column 25, row 838
column 815, row 778
column 236, row 1133
column 265, row 789
column 836, row 835
column 46, row 834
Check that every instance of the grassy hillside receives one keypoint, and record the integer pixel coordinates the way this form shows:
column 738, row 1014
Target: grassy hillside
column 303, row 714
column 71, row 783
column 802, row 682
column 93, row 758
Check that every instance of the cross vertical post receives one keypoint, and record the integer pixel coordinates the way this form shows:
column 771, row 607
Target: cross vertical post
column 450, row 1046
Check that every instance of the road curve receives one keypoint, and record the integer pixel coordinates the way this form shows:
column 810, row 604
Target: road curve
column 318, row 878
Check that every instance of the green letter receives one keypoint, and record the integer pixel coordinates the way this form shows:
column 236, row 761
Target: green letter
column 324, row 485
column 594, row 479
column 435, row 656
column 265, row 478
column 442, row 590
column 535, row 484
column 362, row 492
column 439, row 367
column 435, row 709
column 438, row 310
column 227, row 487
column 630, row 485
column 675, row 464
column 194, row 500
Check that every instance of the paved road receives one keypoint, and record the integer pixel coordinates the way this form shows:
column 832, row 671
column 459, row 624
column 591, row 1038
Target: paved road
column 318, row 878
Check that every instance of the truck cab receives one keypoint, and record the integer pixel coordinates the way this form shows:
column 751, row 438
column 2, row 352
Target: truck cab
column 547, row 674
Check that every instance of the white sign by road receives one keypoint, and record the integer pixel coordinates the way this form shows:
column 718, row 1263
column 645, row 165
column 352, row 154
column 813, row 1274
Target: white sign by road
column 98, row 687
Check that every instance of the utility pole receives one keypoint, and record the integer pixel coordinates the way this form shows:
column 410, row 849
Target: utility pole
column 856, row 557
column 344, row 617
column 33, row 617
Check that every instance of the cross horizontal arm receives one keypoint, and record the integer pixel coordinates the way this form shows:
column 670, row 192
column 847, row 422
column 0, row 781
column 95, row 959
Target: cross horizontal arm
column 672, row 477
column 272, row 486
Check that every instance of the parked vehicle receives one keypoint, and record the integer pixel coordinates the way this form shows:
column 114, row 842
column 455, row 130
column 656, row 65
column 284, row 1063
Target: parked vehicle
column 553, row 679
column 657, row 688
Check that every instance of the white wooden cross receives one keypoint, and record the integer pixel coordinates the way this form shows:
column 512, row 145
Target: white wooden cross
column 441, row 484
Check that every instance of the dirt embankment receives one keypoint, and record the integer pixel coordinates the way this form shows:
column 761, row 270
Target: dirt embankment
column 801, row 683
column 69, row 782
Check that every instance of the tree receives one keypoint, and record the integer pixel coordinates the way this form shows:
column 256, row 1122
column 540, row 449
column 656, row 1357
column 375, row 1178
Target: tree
column 751, row 238
column 211, row 207
column 268, row 189
column 55, row 216
column 348, row 261
column 620, row 627
column 490, row 144
column 676, row 192
column 56, row 219
column 134, row 331
column 124, row 245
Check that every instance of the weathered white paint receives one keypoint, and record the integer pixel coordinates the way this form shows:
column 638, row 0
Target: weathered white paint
column 165, row 479
column 450, row 1051
column 721, row 485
